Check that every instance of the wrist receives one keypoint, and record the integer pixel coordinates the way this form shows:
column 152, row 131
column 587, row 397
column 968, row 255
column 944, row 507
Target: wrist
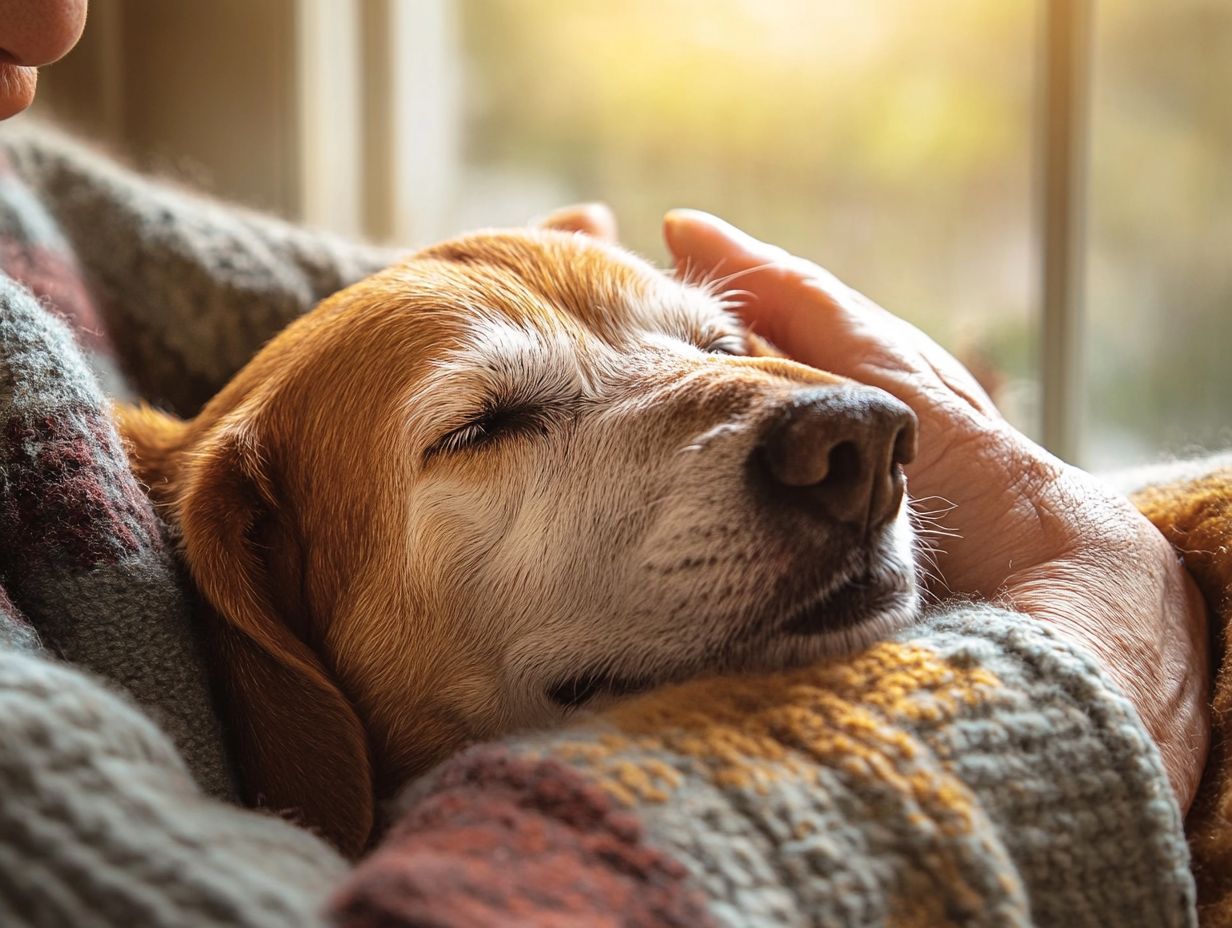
column 1125, row 599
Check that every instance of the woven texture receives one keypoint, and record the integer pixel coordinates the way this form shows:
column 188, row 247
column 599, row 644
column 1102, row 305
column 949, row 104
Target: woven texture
column 101, row 823
column 108, row 766
column 195, row 288
column 83, row 552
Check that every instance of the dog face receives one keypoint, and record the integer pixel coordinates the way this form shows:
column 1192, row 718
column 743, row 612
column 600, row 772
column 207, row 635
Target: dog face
column 518, row 474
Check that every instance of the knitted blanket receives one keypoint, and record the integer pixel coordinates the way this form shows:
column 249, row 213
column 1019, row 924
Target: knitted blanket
column 973, row 770
column 928, row 781
column 1195, row 514
column 114, row 772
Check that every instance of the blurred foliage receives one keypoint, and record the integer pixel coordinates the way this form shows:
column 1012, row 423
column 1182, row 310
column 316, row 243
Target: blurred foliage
column 891, row 141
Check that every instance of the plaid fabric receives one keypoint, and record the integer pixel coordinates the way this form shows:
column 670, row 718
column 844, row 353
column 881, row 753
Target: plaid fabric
column 83, row 557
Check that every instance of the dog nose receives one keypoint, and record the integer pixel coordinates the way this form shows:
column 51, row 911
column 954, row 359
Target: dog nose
column 837, row 452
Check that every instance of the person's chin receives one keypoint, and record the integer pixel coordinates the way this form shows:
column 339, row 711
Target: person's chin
column 17, row 85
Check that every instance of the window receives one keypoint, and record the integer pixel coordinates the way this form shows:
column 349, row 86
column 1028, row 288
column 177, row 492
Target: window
column 1159, row 267
column 1043, row 185
column 893, row 146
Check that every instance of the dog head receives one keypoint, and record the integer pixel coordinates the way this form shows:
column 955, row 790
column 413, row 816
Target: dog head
column 518, row 474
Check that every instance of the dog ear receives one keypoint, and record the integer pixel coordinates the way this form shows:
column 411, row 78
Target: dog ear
column 301, row 746
column 153, row 441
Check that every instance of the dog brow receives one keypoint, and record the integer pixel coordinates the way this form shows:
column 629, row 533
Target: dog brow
column 500, row 362
column 690, row 315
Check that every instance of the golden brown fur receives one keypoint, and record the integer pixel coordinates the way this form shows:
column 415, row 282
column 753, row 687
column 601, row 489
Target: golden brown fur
column 378, row 593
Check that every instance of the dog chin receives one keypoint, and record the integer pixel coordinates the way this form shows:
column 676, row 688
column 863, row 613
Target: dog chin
column 864, row 610
column 868, row 603
column 869, row 596
column 873, row 611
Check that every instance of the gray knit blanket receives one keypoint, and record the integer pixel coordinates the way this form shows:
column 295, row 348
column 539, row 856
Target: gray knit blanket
column 973, row 770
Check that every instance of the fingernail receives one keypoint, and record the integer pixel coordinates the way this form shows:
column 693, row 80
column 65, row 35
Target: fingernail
column 674, row 221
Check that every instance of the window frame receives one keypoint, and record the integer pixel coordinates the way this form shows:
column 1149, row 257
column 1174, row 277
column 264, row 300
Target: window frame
column 1063, row 131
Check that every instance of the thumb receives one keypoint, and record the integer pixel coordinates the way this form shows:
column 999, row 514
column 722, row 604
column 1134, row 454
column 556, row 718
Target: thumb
column 708, row 242
column 813, row 316
column 791, row 301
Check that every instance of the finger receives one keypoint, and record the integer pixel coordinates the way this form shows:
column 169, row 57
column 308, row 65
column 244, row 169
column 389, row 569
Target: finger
column 711, row 241
column 17, row 85
column 706, row 248
column 788, row 300
column 807, row 311
column 594, row 219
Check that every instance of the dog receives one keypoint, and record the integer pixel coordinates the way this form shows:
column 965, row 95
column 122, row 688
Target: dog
column 519, row 474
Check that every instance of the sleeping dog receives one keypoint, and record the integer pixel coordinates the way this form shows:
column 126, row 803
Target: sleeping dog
column 520, row 473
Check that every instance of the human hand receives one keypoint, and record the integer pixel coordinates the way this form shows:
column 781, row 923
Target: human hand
column 1028, row 530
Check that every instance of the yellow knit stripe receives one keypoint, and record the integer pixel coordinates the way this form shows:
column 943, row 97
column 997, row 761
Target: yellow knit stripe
column 850, row 716
column 744, row 731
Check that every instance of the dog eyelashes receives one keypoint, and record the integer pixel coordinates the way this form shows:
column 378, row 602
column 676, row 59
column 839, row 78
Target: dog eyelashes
column 726, row 344
column 491, row 425
column 576, row 691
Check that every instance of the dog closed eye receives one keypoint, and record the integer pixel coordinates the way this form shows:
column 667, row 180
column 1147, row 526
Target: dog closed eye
column 726, row 343
column 492, row 424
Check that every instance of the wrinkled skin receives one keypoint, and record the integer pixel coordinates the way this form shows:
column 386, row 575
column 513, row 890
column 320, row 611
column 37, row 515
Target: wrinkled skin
column 1028, row 530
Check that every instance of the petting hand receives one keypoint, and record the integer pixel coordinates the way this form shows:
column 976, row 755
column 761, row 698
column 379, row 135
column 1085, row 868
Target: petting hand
column 1030, row 531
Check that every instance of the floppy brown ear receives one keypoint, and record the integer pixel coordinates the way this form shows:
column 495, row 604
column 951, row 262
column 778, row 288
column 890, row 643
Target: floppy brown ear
column 153, row 440
column 301, row 746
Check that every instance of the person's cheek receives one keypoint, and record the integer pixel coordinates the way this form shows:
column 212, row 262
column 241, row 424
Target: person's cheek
column 17, row 86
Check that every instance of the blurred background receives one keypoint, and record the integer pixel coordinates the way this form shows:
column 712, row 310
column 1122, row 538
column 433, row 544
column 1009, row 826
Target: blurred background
column 1045, row 187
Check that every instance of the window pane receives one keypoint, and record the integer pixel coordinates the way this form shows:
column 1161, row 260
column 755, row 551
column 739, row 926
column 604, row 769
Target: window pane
column 1160, row 272
column 889, row 141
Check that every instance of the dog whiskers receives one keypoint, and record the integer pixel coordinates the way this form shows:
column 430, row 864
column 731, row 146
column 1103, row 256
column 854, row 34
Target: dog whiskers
column 688, row 275
column 714, row 285
column 726, row 298
column 711, row 282
column 928, row 572
column 929, row 534
column 928, row 522
column 949, row 504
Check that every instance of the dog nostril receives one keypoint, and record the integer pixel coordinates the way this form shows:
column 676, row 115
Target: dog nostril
column 843, row 465
column 836, row 454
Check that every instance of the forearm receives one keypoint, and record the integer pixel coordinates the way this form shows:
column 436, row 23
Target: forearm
column 195, row 287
